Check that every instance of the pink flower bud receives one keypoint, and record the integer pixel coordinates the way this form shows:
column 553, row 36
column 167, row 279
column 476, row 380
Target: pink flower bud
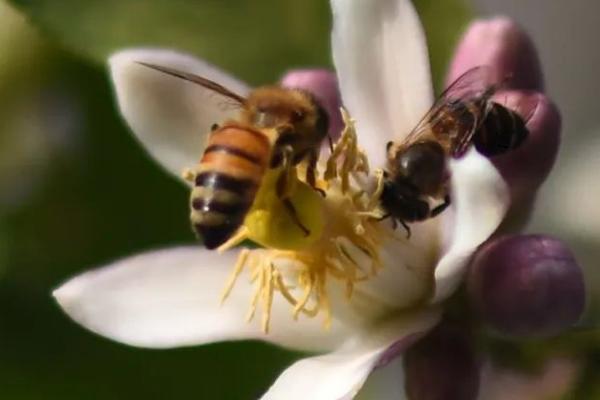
column 500, row 43
column 526, row 167
column 503, row 45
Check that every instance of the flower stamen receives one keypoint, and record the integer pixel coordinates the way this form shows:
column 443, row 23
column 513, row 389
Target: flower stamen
column 237, row 270
column 355, row 160
column 347, row 247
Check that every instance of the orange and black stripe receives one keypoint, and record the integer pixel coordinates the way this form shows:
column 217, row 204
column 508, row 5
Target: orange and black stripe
column 226, row 181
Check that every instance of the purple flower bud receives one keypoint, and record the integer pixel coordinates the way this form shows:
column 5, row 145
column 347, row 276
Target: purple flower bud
column 442, row 365
column 526, row 167
column 526, row 285
column 501, row 43
column 323, row 84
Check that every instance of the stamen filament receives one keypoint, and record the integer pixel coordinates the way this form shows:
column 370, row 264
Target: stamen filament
column 255, row 296
column 268, row 297
column 304, row 299
column 237, row 270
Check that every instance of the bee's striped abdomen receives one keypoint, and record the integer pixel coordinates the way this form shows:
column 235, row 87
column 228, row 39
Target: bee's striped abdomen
column 226, row 182
column 501, row 131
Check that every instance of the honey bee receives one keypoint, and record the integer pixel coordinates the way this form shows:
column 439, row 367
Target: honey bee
column 462, row 116
column 241, row 150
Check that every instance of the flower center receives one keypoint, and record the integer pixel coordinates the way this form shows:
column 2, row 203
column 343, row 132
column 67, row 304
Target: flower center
column 342, row 243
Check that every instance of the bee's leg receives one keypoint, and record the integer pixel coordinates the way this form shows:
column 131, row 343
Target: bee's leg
column 285, row 180
column 385, row 216
column 311, row 175
column 394, row 222
column 188, row 174
column 406, row 227
column 437, row 210
column 283, row 187
column 294, row 214
column 283, row 143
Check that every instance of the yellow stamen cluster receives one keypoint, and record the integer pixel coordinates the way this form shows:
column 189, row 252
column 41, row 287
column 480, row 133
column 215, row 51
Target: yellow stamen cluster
column 345, row 249
column 346, row 153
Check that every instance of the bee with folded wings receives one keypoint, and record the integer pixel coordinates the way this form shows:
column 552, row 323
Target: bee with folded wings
column 277, row 128
column 462, row 116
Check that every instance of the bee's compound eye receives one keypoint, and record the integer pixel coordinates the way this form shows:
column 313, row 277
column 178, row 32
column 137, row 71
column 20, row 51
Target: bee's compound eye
column 389, row 145
column 297, row 115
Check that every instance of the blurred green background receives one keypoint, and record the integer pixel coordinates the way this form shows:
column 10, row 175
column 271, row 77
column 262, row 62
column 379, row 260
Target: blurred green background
column 71, row 174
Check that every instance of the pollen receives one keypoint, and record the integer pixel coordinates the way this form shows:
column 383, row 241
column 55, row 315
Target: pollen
column 342, row 246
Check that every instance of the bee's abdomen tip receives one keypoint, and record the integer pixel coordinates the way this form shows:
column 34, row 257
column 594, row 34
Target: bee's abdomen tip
column 214, row 236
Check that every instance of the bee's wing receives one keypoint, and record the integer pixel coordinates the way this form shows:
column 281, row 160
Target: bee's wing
column 171, row 116
column 474, row 88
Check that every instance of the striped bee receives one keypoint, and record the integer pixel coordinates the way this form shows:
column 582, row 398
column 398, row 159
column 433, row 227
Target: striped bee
column 276, row 127
column 463, row 115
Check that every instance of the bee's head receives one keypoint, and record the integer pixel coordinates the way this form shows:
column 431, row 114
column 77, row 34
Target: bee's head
column 273, row 106
column 422, row 164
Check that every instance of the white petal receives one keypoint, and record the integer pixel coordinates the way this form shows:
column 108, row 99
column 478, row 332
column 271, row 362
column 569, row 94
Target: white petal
column 341, row 374
column 480, row 199
column 171, row 117
column 406, row 277
column 170, row 298
column 381, row 58
column 385, row 383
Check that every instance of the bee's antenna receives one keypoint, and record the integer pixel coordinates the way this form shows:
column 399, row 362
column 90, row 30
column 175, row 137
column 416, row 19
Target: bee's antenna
column 198, row 80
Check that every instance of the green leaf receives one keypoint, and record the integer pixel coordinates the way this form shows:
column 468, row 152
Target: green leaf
column 232, row 34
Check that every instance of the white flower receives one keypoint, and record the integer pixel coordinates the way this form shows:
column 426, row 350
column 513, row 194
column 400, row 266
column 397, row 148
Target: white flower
column 170, row 297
